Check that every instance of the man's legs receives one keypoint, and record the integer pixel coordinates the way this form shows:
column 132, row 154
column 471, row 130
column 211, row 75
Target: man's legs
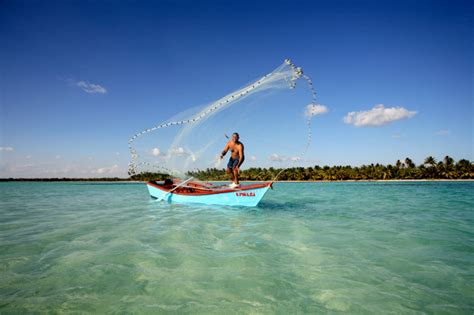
column 231, row 173
column 235, row 175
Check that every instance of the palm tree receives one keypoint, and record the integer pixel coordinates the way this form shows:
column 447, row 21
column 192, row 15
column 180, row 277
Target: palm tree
column 398, row 164
column 432, row 170
column 430, row 161
column 448, row 162
column 464, row 169
column 409, row 163
column 421, row 172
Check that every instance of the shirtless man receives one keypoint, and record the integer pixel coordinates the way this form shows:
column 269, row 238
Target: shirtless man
column 236, row 158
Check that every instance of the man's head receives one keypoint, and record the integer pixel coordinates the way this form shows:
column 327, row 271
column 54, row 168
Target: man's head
column 235, row 136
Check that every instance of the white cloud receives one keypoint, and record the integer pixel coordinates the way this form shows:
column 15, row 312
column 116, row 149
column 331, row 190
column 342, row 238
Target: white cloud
column 21, row 167
column 86, row 86
column 174, row 152
column 378, row 116
column 58, row 168
column 6, row 149
column 106, row 170
column 178, row 152
column 281, row 158
column 277, row 158
column 91, row 87
column 442, row 132
column 253, row 158
column 315, row 109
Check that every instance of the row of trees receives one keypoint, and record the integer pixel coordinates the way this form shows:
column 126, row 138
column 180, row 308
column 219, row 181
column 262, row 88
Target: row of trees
column 65, row 179
column 430, row 169
column 406, row 169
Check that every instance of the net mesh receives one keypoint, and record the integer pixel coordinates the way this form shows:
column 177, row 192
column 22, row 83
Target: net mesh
column 272, row 115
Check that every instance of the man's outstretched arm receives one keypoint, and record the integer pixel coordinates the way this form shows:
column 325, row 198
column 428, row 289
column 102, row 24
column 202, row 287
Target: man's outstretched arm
column 224, row 152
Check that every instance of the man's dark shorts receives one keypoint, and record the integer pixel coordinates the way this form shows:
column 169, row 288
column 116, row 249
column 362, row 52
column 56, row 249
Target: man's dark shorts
column 233, row 163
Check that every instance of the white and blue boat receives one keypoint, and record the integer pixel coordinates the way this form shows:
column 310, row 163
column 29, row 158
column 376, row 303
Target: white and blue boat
column 194, row 192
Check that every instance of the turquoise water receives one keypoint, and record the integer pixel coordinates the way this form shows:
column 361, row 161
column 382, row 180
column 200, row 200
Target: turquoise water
column 400, row 248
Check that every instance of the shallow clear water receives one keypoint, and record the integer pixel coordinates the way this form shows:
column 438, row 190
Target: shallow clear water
column 401, row 248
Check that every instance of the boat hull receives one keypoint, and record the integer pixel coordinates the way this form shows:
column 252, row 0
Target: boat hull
column 248, row 196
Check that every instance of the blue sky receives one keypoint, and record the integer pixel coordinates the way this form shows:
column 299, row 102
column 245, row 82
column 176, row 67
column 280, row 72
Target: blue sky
column 78, row 78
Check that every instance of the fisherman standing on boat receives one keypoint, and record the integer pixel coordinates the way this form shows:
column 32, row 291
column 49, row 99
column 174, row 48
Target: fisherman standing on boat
column 236, row 158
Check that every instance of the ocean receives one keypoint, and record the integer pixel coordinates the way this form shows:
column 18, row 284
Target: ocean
column 308, row 248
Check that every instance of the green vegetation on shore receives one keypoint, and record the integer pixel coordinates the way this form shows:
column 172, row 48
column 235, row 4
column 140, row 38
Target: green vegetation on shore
column 406, row 169
column 66, row 179
column 430, row 169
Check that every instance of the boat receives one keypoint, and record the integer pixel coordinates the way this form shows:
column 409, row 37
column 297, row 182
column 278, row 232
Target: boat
column 206, row 193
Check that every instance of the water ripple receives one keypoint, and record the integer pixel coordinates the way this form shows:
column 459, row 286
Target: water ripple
column 307, row 248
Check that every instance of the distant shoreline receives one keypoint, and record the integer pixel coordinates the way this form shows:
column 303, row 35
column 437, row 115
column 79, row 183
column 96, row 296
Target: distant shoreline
column 406, row 171
column 105, row 180
column 376, row 180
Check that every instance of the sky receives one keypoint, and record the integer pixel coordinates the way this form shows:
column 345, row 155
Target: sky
column 79, row 78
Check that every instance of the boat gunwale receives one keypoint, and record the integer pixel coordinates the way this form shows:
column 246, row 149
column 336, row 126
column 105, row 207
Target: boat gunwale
column 211, row 192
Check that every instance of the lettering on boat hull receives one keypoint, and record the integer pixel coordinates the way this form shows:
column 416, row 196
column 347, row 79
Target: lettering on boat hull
column 245, row 194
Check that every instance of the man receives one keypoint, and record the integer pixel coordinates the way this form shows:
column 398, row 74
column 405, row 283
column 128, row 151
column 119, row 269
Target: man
column 236, row 158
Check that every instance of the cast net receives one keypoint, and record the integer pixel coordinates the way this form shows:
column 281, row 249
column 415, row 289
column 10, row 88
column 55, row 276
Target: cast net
column 272, row 115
